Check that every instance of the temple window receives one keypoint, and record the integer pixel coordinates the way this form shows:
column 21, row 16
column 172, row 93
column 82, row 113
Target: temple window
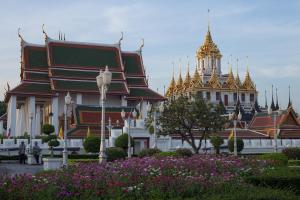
column 199, row 94
column 208, row 95
column 218, row 96
column 243, row 97
column 251, row 97
column 234, row 96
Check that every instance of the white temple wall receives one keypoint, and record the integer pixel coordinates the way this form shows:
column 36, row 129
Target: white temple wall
column 12, row 115
column 31, row 123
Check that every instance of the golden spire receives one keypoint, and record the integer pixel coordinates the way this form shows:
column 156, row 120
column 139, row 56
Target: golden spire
column 214, row 81
column 179, row 84
column 237, row 79
column 230, row 82
column 196, row 82
column 248, row 83
column 187, row 81
column 172, row 86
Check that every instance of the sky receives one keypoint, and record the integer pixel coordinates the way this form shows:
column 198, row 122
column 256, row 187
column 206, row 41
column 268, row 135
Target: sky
column 265, row 31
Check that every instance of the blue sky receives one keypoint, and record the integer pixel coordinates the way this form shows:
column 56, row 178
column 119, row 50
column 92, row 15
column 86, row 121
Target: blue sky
column 265, row 31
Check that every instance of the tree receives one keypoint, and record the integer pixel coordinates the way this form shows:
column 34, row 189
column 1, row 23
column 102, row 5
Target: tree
column 239, row 142
column 122, row 141
column 216, row 141
column 51, row 138
column 2, row 108
column 193, row 120
column 91, row 144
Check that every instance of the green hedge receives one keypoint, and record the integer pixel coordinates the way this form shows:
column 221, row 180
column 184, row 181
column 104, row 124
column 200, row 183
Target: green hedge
column 74, row 161
column 280, row 177
column 148, row 152
column 184, row 152
column 278, row 158
column 294, row 163
column 167, row 153
column 4, row 157
column 115, row 153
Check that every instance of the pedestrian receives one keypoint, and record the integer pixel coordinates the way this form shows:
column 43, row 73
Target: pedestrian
column 36, row 152
column 22, row 149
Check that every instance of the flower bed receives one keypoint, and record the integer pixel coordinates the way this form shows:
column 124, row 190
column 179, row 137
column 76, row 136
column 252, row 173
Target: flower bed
column 136, row 178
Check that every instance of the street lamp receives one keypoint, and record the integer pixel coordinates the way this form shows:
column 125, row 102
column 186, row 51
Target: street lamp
column 68, row 100
column 274, row 115
column 103, row 81
column 155, row 108
column 123, row 115
column 235, row 119
column 31, row 115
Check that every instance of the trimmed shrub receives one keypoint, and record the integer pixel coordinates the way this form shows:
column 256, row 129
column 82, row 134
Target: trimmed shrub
column 148, row 152
column 91, row 144
column 239, row 142
column 278, row 158
column 294, row 163
column 84, row 156
column 115, row 153
column 122, row 141
column 292, row 153
column 216, row 141
column 74, row 161
column 184, row 152
column 51, row 138
column 167, row 153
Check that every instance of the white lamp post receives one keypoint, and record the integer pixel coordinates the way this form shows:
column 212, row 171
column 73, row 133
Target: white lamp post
column 274, row 115
column 103, row 81
column 30, row 152
column 123, row 115
column 68, row 100
column 235, row 119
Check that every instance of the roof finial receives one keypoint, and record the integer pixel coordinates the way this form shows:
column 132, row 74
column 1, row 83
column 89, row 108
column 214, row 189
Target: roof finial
column 59, row 38
column 266, row 101
column 142, row 45
column 290, row 103
column 173, row 68
column 272, row 103
column 64, row 37
column 44, row 32
column 208, row 20
column 121, row 38
column 277, row 105
column 19, row 34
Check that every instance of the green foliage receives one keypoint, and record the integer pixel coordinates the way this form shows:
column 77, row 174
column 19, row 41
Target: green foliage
column 122, row 141
column 278, row 158
column 293, row 153
column 167, row 153
column 48, row 129
column 294, row 163
column 53, row 143
column 239, row 142
column 248, row 192
column 115, row 153
column 279, row 177
column 75, row 161
column 2, row 108
column 216, row 141
column 148, row 152
column 183, row 116
column 182, row 152
column 91, row 144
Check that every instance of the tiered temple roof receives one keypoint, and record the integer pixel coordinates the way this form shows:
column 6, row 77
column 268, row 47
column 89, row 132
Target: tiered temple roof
column 60, row 66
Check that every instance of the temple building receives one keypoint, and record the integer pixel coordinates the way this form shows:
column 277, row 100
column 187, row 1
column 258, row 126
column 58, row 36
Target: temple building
column 209, row 83
column 48, row 71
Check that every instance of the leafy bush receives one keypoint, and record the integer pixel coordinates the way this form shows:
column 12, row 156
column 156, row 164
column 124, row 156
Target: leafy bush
column 115, row 153
column 292, row 153
column 216, row 141
column 74, row 161
column 184, row 152
column 51, row 138
column 294, row 163
column 84, row 156
column 167, row 153
column 239, row 142
column 122, row 141
column 148, row 152
column 280, row 177
column 277, row 158
column 91, row 144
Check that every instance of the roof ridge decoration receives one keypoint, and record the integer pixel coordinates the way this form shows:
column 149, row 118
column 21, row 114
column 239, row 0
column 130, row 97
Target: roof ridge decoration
column 44, row 32
column 121, row 38
column 172, row 86
column 196, row 82
column 214, row 81
column 179, row 84
column 21, row 38
column 141, row 46
column 187, row 81
column 248, row 83
column 237, row 78
column 231, row 83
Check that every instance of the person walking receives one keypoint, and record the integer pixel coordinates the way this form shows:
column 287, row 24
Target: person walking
column 22, row 149
column 36, row 152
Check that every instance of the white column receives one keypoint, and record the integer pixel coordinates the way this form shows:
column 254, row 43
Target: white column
column 123, row 101
column 31, row 109
column 12, row 115
column 54, row 107
column 78, row 98
column 1, row 127
column 38, row 120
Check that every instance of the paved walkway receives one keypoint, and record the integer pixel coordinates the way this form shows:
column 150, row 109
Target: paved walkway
column 13, row 168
